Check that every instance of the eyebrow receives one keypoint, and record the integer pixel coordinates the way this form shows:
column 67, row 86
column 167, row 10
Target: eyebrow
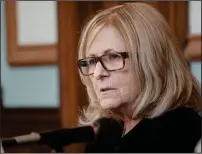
column 105, row 51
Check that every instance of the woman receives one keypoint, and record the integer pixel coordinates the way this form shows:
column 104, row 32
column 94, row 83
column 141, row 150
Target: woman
column 134, row 71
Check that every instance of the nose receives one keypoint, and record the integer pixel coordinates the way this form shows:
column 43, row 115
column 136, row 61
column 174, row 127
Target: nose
column 100, row 72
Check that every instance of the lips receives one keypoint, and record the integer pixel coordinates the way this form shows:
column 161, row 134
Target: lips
column 106, row 89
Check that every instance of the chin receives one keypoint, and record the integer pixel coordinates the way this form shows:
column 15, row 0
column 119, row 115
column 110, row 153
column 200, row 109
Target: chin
column 110, row 103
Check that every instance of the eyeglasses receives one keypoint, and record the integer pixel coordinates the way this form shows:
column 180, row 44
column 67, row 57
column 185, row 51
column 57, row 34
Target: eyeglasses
column 110, row 62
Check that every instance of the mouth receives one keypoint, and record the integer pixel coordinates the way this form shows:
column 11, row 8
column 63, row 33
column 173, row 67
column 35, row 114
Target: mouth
column 106, row 89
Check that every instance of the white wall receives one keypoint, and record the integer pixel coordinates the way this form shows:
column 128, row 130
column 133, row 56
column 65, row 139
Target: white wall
column 27, row 86
column 195, row 28
column 37, row 22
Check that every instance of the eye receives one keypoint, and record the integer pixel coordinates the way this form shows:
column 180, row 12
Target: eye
column 113, row 56
column 92, row 61
column 83, row 63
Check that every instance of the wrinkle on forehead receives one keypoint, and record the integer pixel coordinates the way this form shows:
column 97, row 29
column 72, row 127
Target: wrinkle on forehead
column 107, row 38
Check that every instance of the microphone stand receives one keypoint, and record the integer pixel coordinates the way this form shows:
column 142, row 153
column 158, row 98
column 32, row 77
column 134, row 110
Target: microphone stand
column 55, row 148
column 106, row 130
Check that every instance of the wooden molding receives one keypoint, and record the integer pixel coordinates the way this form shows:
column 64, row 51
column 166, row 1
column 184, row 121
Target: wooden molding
column 32, row 55
column 193, row 48
column 25, row 55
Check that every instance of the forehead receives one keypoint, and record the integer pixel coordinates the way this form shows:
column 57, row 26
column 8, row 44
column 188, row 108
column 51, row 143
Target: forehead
column 107, row 39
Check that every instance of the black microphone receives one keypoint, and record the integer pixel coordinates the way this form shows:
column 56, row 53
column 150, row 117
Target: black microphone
column 104, row 130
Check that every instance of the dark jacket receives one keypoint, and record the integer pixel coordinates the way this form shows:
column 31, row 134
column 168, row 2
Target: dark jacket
column 178, row 130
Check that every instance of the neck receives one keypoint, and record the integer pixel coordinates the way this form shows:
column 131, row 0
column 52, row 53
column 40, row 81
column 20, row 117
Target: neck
column 129, row 124
column 125, row 114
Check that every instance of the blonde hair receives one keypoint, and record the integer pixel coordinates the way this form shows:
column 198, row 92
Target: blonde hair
column 165, row 80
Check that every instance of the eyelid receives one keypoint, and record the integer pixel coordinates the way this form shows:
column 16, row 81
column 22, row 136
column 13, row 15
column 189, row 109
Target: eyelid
column 108, row 53
column 92, row 57
column 112, row 53
column 110, row 50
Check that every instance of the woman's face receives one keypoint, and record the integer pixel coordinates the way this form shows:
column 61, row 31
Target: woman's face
column 116, row 88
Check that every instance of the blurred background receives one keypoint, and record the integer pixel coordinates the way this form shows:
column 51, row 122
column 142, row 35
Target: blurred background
column 40, row 86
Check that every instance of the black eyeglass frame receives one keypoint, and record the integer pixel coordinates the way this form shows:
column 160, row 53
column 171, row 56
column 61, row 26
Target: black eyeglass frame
column 124, row 55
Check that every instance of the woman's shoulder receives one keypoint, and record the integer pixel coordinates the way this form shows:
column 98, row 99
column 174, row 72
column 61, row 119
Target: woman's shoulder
column 179, row 120
column 181, row 116
column 180, row 128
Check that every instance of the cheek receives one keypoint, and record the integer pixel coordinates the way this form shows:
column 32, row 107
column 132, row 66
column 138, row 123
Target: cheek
column 95, row 85
column 128, row 88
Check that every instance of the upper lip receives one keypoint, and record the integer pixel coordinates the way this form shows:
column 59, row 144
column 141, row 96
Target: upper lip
column 106, row 88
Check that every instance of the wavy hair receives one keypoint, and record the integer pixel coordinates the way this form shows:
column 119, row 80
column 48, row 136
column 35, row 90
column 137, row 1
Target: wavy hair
column 165, row 79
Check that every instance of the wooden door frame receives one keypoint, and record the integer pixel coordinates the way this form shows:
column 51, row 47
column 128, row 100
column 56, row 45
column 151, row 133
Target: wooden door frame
column 67, row 42
column 68, row 76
